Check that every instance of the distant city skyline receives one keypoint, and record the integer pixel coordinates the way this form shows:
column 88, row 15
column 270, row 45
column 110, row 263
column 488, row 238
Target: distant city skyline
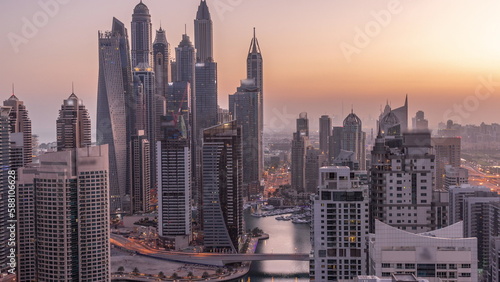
column 450, row 57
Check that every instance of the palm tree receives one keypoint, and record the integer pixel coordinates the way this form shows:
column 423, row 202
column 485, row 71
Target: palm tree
column 161, row 274
column 121, row 269
column 135, row 271
column 205, row 275
column 174, row 276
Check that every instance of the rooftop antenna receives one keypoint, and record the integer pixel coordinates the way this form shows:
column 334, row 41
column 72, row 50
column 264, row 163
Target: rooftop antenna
column 72, row 87
column 13, row 89
column 342, row 108
column 185, row 29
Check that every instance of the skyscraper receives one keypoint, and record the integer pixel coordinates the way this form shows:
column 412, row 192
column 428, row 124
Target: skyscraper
column 222, row 180
column 447, row 151
column 115, row 102
column 335, row 143
column 255, row 63
column 477, row 224
column 203, row 34
column 244, row 107
column 161, row 61
column 4, row 184
column 299, row 144
column 72, row 244
column 353, row 138
column 419, row 121
column 174, row 184
column 206, row 102
column 339, row 255
column 185, row 58
column 152, row 102
column 255, row 70
column 303, row 124
column 20, row 123
column 178, row 99
column 402, row 174
column 314, row 159
column 325, row 131
column 140, row 176
column 142, row 34
column 400, row 113
column 73, row 125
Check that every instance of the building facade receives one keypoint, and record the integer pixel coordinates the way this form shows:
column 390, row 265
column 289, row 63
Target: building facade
column 440, row 255
column 73, row 125
column 245, row 109
column 340, row 225
column 325, row 131
column 115, row 100
column 174, row 186
column 402, row 173
column 222, row 183
column 142, row 34
column 20, row 123
column 74, row 245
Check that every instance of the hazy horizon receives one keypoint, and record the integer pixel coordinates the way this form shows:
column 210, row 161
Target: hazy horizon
column 320, row 57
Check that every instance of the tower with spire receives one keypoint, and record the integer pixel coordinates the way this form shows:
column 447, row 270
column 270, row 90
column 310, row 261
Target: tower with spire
column 254, row 63
column 353, row 138
column 141, row 35
column 255, row 71
column 161, row 59
column 73, row 125
column 203, row 34
column 20, row 129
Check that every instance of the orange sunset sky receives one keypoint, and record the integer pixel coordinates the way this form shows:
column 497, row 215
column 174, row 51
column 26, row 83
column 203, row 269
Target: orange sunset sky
column 439, row 52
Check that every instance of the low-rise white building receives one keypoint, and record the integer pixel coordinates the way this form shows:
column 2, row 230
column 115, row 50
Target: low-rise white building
column 442, row 255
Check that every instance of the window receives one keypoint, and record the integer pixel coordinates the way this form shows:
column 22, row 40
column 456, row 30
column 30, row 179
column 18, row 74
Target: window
column 442, row 275
column 386, row 265
column 410, row 266
column 465, row 265
column 465, row 274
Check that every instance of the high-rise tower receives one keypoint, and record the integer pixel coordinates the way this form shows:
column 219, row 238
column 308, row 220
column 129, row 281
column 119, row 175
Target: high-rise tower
column 255, row 70
column 68, row 239
column 141, row 35
column 73, row 125
column 203, row 34
column 20, row 123
column 255, row 63
column 222, row 195
column 4, row 185
column 151, row 102
column 353, row 138
column 174, row 183
column 300, row 143
column 342, row 194
column 114, row 100
column 161, row 61
column 244, row 107
column 140, row 176
column 325, row 131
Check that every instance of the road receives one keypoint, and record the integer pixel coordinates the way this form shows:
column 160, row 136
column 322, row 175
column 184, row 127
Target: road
column 199, row 258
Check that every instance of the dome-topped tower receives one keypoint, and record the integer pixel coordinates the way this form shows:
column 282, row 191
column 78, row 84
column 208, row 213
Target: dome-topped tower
column 141, row 8
column 142, row 35
column 352, row 119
